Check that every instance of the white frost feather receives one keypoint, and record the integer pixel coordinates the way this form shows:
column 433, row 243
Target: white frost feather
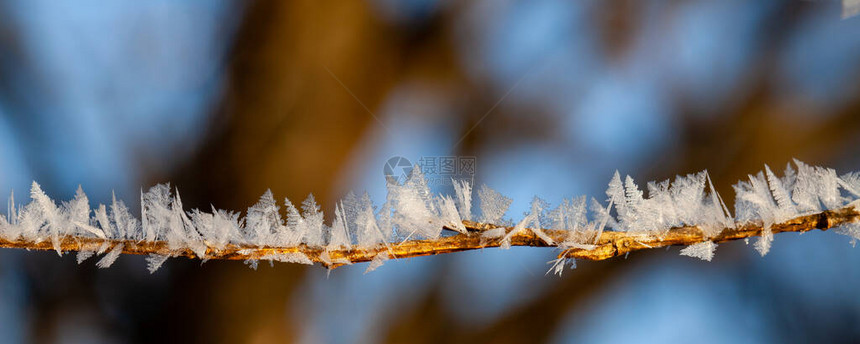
column 110, row 257
column 377, row 261
column 703, row 250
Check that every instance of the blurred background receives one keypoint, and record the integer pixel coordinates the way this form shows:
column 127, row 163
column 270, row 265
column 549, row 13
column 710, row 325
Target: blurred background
column 226, row 99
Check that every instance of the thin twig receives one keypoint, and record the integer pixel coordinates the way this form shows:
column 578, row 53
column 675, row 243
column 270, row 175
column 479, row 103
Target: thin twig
column 609, row 243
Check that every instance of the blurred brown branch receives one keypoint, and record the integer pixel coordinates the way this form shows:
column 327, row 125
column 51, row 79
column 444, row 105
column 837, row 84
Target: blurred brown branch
column 609, row 243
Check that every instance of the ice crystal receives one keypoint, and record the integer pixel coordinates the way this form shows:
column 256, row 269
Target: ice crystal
column 154, row 261
column 493, row 205
column 377, row 261
column 110, row 257
column 703, row 250
column 463, row 190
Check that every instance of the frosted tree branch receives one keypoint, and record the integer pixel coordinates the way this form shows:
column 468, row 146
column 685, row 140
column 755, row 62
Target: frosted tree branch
column 415, row 222
column 608, row 245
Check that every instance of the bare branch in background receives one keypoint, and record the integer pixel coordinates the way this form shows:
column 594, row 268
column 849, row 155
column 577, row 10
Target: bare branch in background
column 850, row 8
